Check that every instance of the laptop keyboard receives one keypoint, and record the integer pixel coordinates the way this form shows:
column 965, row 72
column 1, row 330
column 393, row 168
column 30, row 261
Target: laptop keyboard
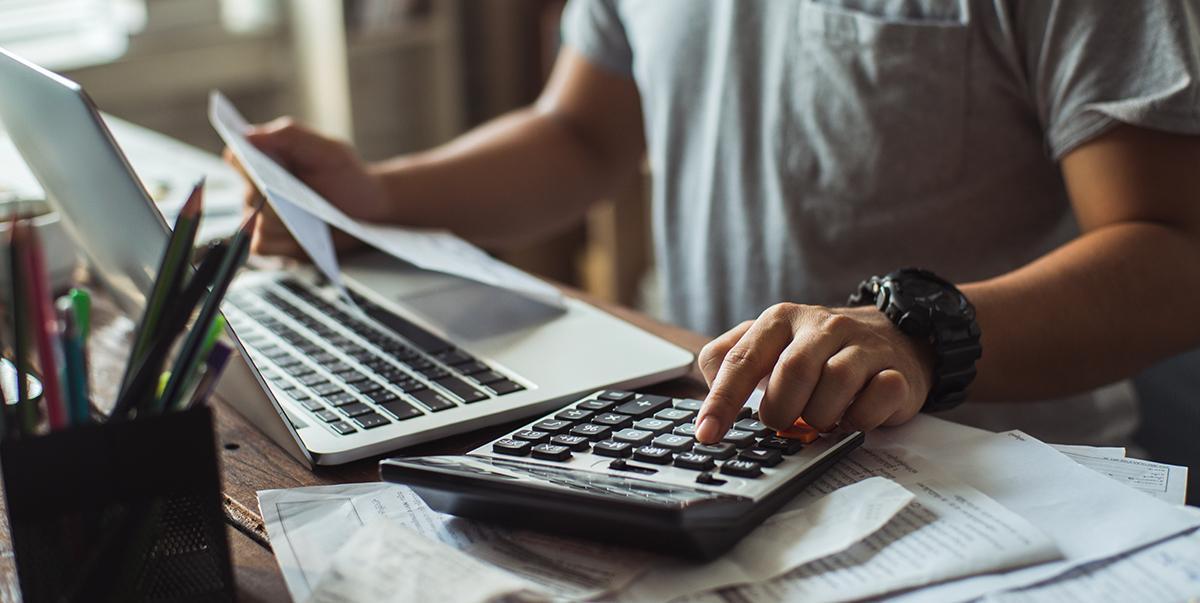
column 352, row 373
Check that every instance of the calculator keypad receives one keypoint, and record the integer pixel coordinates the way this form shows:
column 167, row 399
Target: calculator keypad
column 654, row 435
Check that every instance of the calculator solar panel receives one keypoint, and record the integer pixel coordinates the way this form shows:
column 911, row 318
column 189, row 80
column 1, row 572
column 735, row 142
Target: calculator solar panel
column 625, row 468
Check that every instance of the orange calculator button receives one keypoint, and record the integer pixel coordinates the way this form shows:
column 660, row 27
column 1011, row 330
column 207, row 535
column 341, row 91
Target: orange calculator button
column 800, row 431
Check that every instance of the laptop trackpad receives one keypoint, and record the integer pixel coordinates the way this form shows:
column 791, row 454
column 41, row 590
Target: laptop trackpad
column 473, row 311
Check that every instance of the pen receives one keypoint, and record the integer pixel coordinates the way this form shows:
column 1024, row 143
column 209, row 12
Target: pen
column 44, row 326
column 74, row 370
column 171, row 272
column 189, row 352
column 81, row 303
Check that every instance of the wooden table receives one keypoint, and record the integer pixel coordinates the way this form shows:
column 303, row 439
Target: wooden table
column 251, row 462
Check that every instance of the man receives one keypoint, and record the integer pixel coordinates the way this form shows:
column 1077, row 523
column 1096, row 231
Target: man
column 1041, row 155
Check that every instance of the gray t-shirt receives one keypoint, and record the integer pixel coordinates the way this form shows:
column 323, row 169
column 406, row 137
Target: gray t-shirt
column 800, row 146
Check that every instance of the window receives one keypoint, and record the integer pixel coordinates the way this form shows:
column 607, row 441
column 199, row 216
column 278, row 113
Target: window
column 67, row 34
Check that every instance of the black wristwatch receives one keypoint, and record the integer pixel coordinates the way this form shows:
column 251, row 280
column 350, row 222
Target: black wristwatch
column 929, row 308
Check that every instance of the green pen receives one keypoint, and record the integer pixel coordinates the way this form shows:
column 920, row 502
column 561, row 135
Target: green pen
column 81, row 301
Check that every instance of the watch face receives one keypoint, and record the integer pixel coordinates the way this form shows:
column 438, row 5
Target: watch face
column 923, row 289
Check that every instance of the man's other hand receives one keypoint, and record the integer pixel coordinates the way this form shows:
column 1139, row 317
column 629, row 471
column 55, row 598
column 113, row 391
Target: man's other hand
column 827, row 366
column 330, row 167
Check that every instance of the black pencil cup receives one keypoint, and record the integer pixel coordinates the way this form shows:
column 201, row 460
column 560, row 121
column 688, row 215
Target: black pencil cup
column 122, row 511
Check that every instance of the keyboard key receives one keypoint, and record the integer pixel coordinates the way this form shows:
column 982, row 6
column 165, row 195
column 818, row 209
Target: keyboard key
column 613, row 448
column 419, row 363
column 326, row 388
column 419, row 337
column 342, row 427
column 766, row 457
column 459, row 388
column 694, row 461
column 471, row 368
column 686, row 429
column 367, row 387
column 552, row 426
column 512, row 447
column 432, row 400
column 652, row 454
column 596, row 405
column 644, row 405
column 453, row 357
column 328, row 416
column 401, row 410
column 341, row 398
column 573, row 414
column 551, row 452
column 674, row 415
column 505, row 387
column 310, row 404
column 382, row 396
column 434, row 373
column 575, row 443
column 371, row 421
column 654, row 425
column 591, row 431
column 350, row 376
column 755, row 427
column 692, row 405
column 739, row 438
column 719, row 451
column 612, row 419
column 354, row 409
column 674, row 443
column 787, row 446
column 615, row 396
column 312, row 379
column 532, row 435
column 741, row 468
column 636, row 437
column 486, row 377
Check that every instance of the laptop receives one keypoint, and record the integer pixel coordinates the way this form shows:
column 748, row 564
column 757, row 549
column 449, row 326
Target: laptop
column 420, row 355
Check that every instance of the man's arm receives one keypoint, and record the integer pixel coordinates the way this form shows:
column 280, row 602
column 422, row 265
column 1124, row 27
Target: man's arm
column 1122, row 295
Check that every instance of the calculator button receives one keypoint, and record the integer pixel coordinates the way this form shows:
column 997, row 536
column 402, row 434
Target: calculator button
column 636, row 437
column 656, row 426
column 575, row 443
column 596, row 405
column 719, row 451
column 708, row 478
column 755, row 427
column 512, row 447
column 644, row 405
column 767, row 457
column 616, row 396
column 787, row 446
column 697, row 462
column 800, row 431
column 687, row 429
column 552, row 426
column 530, row 435
column 613, row 448
column 612, row 419
column 591, row 431
column 652, row 454
column 674, row 443
column 572, row 414
column 551, row 452
column 739, row 438
column 692, row 405
column 371, row 420
column 342, row 427
column 674, row 415
column 741, row 468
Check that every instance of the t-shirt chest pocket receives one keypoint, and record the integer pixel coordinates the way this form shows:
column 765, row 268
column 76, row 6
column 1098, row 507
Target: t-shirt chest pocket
column 879, row 99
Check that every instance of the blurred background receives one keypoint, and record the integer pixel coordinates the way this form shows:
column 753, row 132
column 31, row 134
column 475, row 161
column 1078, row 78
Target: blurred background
column 389, row 75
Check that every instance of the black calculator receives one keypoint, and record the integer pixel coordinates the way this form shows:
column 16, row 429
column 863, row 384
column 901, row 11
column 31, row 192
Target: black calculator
column 624, row 467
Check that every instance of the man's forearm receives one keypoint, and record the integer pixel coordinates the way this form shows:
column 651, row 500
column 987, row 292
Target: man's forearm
column 513, row 179
column 1092, row 312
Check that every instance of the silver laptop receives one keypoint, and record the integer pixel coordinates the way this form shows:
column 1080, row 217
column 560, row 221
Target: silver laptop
column 420, row 356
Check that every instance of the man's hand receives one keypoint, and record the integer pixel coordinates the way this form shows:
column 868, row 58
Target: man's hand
column 825, row 365
column 330, row 167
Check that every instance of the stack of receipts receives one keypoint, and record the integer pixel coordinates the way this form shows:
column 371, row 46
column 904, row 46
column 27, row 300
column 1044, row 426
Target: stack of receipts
column 931, row 511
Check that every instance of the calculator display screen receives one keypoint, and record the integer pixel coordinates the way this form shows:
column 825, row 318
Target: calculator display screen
column 596, row 484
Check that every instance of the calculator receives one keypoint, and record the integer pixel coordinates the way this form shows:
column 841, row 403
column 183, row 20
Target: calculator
column 624, row 467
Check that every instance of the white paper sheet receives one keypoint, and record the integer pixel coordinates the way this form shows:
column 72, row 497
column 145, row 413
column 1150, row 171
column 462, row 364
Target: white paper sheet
column 306, row 525
column 1103, row 452
column 388, row 562
column 1090, row 517
column 950, row 530
column 434, row 250
column 1167, row 572
column 1164, row 482
column 785, row 541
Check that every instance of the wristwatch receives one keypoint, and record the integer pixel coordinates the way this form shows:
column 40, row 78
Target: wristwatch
column 927, row 307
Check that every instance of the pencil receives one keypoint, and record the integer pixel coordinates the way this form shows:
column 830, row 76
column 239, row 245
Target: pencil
column 44, row 326
column 171, row 272
column 213, row 367
column 74, row 368
column 185, row 362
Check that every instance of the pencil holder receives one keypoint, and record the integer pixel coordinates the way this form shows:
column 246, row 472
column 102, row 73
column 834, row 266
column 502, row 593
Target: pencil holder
column 121, row 511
